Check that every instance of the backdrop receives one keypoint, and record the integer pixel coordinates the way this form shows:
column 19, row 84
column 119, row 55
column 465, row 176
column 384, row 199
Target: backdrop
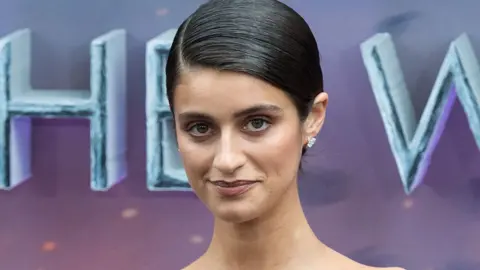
column 350, row 188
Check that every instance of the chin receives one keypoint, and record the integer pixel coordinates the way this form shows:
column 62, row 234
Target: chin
column 235, row 213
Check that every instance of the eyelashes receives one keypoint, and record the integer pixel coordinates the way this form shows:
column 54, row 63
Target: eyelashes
column 256, row 125
column 199, row 129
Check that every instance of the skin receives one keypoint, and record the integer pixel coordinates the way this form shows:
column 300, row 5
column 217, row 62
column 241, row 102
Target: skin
column 233, row 126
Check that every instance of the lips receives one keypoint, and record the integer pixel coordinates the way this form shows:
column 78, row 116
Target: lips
column 232, row 184
column 235, row 188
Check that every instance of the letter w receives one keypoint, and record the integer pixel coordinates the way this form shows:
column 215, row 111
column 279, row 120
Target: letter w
column 413, row 142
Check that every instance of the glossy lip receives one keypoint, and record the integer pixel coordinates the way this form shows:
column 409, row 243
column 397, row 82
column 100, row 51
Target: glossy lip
column 233, row 188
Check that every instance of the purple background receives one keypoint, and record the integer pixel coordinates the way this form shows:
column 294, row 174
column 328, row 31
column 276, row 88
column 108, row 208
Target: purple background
column 350, row 187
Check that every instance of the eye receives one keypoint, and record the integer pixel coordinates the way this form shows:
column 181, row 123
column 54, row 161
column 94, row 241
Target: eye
column 199, row 129
column 257, row 124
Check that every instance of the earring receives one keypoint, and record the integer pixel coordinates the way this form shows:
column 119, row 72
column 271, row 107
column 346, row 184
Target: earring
column 311, row 142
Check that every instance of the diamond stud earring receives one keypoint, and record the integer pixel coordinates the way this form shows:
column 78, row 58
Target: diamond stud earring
column 311, row 142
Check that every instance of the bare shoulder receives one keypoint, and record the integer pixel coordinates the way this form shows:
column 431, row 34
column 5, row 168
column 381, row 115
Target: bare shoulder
column 384, row 268
column 344, row 262
column 188, row 267
column 192, row 266
column 381, row 268
column 364, row 267
column 198, row 264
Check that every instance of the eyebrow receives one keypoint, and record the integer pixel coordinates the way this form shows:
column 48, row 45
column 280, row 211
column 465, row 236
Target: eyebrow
column 242, row 113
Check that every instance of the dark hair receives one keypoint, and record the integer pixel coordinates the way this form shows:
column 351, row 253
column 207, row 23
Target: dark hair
column 262, row 38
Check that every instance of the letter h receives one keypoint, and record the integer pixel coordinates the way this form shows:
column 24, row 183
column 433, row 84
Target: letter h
column 104, row 105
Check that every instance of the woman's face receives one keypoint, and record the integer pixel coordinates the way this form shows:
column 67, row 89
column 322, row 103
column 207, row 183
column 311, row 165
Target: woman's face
column 240, row 140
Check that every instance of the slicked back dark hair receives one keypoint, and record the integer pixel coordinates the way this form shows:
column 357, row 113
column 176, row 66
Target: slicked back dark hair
column 262, row 38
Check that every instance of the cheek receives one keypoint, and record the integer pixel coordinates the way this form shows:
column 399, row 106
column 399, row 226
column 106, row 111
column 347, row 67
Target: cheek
column 281, row 153
column 196, row 160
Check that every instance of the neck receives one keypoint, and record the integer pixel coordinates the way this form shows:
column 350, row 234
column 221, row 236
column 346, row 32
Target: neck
column 275, row 239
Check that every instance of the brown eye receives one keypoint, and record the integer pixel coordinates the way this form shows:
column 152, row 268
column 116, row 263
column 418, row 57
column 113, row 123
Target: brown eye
column 199, row 129
column 257, row 124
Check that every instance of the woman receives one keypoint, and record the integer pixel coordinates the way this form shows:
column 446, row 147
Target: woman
column 246, row 90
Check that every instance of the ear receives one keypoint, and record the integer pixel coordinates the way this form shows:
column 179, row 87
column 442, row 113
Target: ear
column 316, row 117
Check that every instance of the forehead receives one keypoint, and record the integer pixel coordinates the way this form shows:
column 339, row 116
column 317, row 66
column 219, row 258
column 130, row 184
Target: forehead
column 223, row 91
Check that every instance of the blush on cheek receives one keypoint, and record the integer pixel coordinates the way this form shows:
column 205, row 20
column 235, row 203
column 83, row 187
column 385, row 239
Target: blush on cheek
column 284, row 141
column 196, row 161
column 283, row 150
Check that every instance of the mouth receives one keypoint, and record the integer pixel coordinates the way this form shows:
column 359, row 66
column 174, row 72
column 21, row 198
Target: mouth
column 234, row 188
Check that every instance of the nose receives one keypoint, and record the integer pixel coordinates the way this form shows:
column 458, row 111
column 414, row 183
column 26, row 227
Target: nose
column 228, row 157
